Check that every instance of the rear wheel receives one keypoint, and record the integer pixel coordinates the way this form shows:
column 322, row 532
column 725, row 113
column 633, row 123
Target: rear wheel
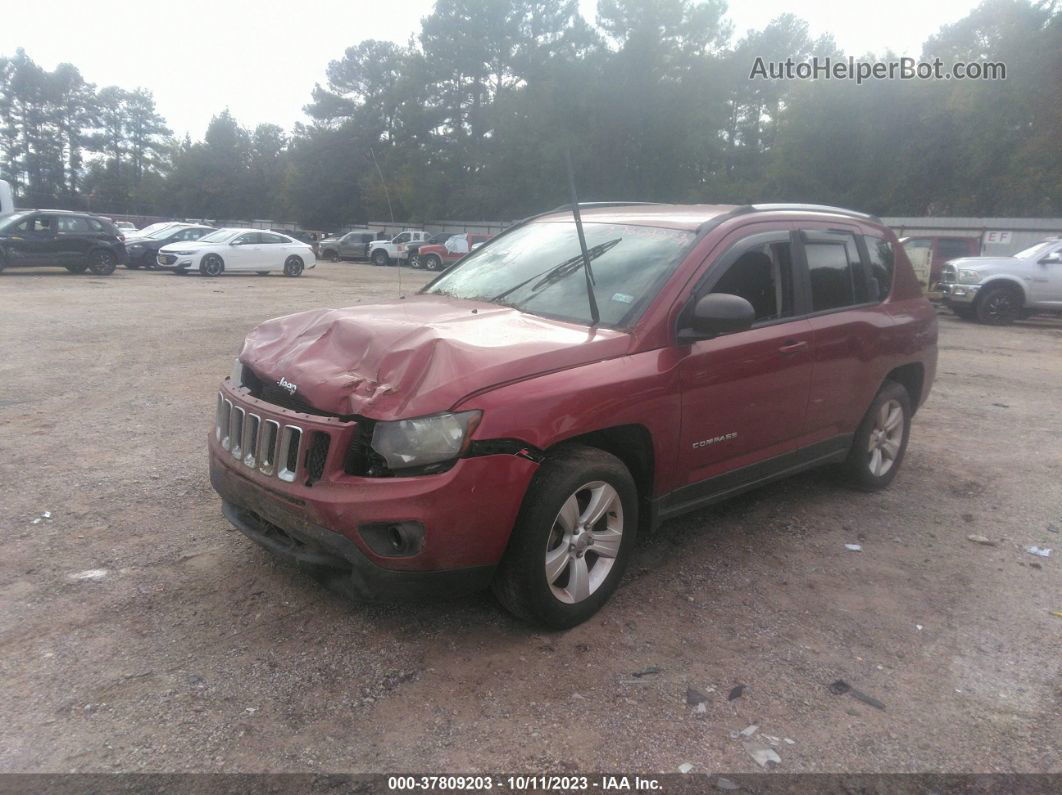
column 293, row 266
column 380, row 258
column 572, row 539
column 102, row 262
column 999, row 306
column 414, row 261
column 881, row 439
column 211, row 265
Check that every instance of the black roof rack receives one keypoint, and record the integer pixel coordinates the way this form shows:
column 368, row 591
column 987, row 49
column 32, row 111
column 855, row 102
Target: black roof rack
column 808, row 208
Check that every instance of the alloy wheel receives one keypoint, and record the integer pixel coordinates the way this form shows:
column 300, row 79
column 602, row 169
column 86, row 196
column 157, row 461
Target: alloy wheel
column 584, row 542
column 886, row 437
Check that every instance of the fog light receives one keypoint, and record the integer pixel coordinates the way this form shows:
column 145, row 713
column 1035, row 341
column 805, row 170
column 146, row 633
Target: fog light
column 393, row 539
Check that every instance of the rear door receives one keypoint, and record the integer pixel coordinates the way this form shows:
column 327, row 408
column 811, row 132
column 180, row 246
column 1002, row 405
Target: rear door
column 275, row 249
column 744, row 395
column 74, row 239
column 848, row 328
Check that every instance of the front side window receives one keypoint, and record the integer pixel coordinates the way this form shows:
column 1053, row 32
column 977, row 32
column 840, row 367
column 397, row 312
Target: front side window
column 760, row 270
column 247, row 239
column 538, row 268
column 37, row 224
column 834, row 269
column 402, row 238
column 882, row 260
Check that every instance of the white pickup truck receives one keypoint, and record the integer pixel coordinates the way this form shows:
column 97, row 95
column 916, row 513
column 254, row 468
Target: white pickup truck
column 1000, row 290
column 385, row 252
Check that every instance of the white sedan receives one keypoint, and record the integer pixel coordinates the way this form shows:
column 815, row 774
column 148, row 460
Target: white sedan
column 236, row 250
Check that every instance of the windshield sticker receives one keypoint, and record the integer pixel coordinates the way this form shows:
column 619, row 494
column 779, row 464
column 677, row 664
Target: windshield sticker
column 622, row 298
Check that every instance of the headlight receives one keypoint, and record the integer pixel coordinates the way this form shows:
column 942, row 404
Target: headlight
column 181, row 253
column 968, row 277
column 424, row 440
column 237, row 373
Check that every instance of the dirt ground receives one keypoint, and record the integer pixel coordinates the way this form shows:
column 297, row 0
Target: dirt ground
column 193, row 650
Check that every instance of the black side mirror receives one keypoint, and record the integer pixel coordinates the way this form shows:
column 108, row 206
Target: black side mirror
column 718, row 313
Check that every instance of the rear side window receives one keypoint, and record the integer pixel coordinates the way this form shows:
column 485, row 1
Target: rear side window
column 834, row 270
column 881, row 259
column 72, row 225
column 266, row 237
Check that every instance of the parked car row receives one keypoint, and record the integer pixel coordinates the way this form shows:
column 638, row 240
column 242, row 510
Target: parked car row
column 84, row 241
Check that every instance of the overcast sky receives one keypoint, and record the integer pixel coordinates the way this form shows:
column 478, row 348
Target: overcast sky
column 261, row 58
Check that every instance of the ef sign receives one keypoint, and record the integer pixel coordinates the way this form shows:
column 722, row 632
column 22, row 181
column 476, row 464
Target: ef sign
column 1001, row 238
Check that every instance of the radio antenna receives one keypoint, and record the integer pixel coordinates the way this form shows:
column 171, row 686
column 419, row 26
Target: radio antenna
column 391, row 211
column 595, row 316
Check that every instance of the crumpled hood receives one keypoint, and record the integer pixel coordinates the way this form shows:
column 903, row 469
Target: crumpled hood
column 415, row 356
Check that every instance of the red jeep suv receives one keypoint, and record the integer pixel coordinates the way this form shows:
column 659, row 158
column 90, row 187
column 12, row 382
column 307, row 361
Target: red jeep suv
column 497, row 430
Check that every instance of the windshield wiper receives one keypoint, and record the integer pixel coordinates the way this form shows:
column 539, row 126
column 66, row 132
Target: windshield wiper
column 558, row 272
column 595, row 316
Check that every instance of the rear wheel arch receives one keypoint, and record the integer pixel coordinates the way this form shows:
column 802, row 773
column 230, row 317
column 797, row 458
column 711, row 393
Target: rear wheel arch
column 911, row 377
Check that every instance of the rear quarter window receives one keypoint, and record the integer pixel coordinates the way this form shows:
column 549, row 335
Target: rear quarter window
column 882, row 259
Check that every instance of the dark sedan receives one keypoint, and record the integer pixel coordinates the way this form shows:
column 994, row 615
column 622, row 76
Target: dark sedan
column 141, row 251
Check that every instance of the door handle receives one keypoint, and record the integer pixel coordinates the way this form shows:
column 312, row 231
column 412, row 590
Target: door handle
column 793, row 346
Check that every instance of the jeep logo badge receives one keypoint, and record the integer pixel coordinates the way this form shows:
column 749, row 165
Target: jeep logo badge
column 284, row 383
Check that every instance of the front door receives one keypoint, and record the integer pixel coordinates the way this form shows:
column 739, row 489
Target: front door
column 744, row 395
column 245, row 253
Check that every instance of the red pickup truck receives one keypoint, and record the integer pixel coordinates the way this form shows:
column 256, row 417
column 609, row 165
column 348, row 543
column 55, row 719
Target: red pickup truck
column 436, row 257
column 501, row 429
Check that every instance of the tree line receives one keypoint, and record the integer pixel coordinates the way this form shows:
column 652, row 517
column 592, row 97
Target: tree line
column 471, row 119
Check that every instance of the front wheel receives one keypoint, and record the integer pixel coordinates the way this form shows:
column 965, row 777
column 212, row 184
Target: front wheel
column 998, row 306
column 102, row 262
column 211, row 265
column 380, row 258
column 293, row 266
column 572, row 539
column 881, row 439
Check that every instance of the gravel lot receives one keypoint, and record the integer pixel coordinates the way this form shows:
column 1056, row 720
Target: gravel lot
column 192, row 650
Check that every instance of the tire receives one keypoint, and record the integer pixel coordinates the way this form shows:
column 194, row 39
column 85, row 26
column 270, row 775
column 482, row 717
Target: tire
column 999, row 306
column 881, row 440
column 212, row 265
column 414, row 261
column 380, row 258
column 433, row 262
column 331, row 255
column 559, row 498
column 102, row 262
column 293, row 266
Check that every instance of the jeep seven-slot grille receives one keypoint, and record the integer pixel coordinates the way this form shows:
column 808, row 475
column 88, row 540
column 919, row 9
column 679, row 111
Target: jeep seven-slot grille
column 285, row 450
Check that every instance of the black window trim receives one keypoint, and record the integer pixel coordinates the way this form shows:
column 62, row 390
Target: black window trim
column 801, row 294
column 806, row 272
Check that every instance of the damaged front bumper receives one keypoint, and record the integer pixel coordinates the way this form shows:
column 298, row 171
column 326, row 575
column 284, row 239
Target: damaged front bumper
column 369, row 537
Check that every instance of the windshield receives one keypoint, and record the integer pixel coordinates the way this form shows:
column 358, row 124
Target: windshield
column 1033, row 251
column 538, row 268
column 11, row 220
column 166, row 231
column 220, row 236
column 147, row 231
